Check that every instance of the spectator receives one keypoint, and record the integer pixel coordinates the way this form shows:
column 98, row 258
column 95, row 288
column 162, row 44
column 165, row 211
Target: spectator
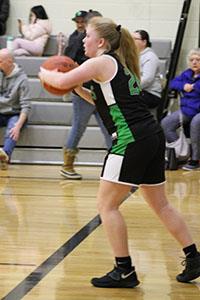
column 4, row 14
column 150, row 70
column 92, row 13
column 188, row 85
column 82, row 110
column 34, row 35
column 14, row 103
column 75, row 48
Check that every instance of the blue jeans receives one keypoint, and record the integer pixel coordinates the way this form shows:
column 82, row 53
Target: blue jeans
column 82, row 111
column 171, row 123
column 8, row 121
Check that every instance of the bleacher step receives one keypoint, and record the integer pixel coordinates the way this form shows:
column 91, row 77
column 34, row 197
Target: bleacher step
column 38, row 92
column 51, row 136
column 55, row 156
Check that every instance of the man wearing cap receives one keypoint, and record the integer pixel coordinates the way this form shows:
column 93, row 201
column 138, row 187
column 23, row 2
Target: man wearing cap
column 82, row 110
column 75, row 48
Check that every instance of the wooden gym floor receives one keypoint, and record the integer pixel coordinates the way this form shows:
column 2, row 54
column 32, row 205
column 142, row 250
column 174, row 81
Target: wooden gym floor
column 52, row 242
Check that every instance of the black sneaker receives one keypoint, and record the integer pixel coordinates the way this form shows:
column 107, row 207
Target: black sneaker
column 117, row 278
column 192, row 269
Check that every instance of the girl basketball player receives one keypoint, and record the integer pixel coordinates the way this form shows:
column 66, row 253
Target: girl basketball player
column 137, row 154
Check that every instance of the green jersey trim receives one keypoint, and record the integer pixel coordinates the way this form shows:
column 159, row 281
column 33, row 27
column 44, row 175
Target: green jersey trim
column 124, row 134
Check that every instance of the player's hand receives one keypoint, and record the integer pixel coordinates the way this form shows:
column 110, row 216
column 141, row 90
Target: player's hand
column 44, row 74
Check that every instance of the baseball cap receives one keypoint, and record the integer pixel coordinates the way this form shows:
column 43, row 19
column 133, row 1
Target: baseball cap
column 80, row 13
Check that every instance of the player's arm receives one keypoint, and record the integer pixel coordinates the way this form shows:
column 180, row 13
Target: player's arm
column 84, row 93
column 90, row 70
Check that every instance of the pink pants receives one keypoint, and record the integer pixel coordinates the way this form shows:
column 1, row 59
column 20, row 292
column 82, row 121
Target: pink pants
column 25, row 47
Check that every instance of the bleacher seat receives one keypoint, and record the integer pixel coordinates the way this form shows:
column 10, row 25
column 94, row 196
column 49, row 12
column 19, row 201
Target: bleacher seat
column 38, row 92
column 163, row 49
column 51, row 47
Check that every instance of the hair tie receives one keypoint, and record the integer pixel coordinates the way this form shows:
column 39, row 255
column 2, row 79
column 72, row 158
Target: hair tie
column 118, row 28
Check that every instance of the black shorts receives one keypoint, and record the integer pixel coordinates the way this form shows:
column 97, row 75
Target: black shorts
column 142, row 163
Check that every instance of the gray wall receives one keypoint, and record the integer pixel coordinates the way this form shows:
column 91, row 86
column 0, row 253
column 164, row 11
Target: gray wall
column 159, row 17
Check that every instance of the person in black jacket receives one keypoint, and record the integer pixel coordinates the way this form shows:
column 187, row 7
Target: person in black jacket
column 4, row 14
column 75, row 48
column 82, row 111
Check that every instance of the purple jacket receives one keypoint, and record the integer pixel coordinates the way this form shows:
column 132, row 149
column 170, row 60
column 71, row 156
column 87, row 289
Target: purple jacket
column 190, row 102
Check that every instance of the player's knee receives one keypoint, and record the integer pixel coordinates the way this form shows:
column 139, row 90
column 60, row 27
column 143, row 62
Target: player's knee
column 104, row 207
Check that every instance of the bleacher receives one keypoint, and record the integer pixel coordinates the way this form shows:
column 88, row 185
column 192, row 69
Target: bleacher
column 43, row 138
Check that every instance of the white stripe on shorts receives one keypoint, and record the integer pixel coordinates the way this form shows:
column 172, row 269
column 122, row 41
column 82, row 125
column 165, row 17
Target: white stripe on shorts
column 112, row 168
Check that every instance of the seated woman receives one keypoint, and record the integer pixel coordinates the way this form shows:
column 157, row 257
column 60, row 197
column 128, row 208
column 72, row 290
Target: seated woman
column 34, row 35
column 188, row 85
column 149, row 68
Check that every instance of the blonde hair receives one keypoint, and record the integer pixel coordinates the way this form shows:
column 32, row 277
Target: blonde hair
column 195, row 51
column 118, row 40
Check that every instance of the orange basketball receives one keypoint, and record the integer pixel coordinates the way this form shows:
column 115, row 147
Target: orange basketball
column 61, row 64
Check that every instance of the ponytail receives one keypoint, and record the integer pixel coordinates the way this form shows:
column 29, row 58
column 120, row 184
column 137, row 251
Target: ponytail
column 120, row 41
column 128, row 53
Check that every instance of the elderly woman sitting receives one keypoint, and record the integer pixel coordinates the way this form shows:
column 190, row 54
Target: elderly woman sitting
column 188, row 85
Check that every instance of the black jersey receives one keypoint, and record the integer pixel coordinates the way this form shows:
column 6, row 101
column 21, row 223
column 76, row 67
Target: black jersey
column 122, row 109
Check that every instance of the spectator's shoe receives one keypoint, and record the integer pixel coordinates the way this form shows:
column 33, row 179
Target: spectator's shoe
column 70, row 173
column 3, row 160
column 191, row 165
column 117, row 278
column 68, row 167
column 192, row 269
